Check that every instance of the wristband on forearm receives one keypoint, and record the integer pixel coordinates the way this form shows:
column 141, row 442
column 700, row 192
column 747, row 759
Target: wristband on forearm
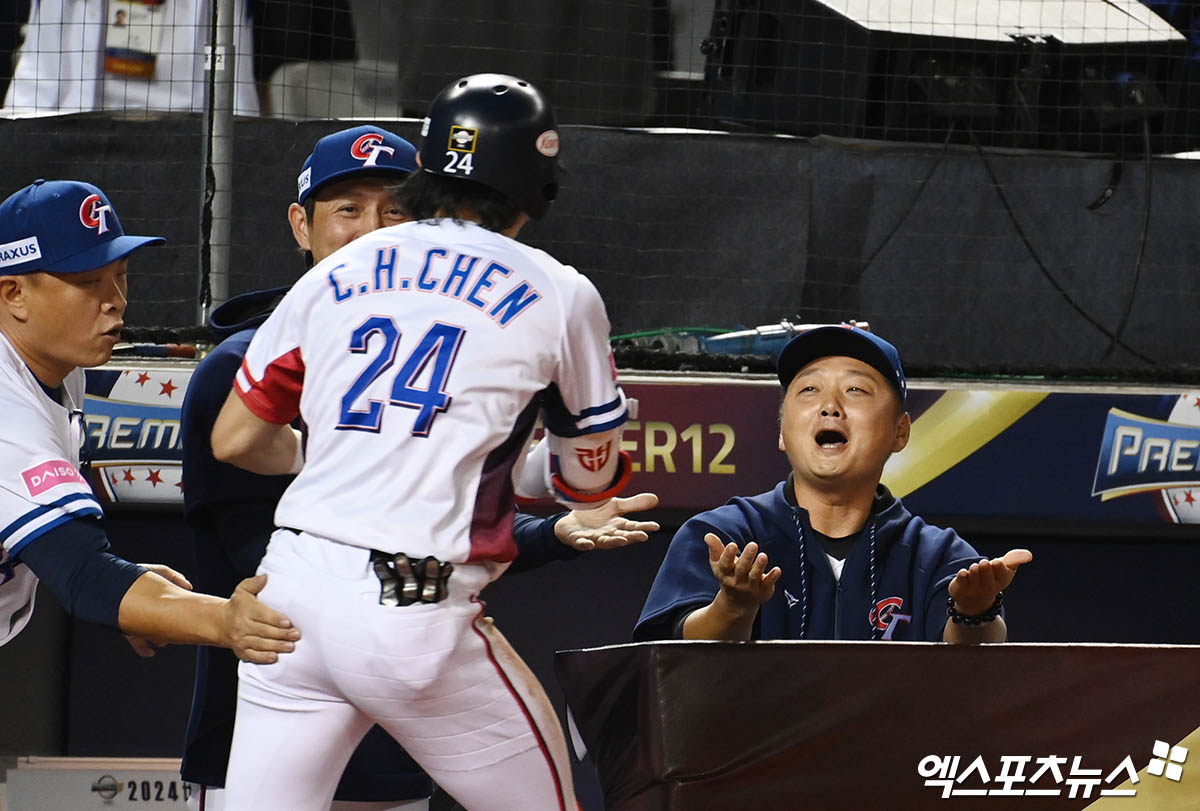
column 976, row 619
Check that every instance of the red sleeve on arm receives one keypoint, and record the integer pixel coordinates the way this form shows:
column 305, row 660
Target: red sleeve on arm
column 276, row 397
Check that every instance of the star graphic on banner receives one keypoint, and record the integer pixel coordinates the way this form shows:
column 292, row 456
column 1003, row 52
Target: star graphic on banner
column 1176, row 500
column 142, row 379
column 129, row 476
column 179, row 484
column 114, row 478
column 154, row 479
column 167, row 388
column 1197, row 403
column 1187, row 496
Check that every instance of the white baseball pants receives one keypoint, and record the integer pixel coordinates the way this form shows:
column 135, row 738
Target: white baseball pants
column 440, row 678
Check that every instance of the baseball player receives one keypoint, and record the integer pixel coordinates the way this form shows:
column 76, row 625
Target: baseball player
column 344, row 191
column 346, row 188
column 419, row 357
column 63, row 258
column 851, row 561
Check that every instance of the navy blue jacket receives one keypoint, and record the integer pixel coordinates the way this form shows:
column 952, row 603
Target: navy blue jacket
column 912, row 561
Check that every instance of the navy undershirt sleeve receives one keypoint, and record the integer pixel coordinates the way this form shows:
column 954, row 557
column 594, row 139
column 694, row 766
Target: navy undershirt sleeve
column 537, row 544
column 73, row 561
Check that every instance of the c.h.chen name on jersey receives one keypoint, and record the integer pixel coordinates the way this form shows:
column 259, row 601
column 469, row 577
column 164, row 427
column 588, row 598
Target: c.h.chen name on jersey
column 482, row 283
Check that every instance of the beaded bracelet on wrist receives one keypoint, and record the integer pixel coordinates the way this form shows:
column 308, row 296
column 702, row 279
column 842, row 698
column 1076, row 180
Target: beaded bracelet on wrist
column 975, row 619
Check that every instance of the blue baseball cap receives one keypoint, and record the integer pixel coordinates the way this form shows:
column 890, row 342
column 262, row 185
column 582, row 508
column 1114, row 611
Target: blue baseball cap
column 843, row 341
column 358, row 149
column 62, row 226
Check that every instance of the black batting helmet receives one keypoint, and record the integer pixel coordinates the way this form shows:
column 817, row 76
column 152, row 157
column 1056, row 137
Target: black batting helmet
column 498, row 131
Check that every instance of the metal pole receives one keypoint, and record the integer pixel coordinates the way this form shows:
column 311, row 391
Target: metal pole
column 217, row 182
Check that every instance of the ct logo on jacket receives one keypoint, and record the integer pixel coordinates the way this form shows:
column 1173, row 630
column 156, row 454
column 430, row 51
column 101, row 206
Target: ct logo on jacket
column 886, row 615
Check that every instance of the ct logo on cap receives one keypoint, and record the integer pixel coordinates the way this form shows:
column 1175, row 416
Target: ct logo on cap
column 93, row 213
column 368, row 147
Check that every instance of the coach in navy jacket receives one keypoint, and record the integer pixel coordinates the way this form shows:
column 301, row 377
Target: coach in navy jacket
column 847, row 559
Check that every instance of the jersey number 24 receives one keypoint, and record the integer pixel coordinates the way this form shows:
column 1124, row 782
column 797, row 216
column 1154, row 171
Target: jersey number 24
column 439, row 344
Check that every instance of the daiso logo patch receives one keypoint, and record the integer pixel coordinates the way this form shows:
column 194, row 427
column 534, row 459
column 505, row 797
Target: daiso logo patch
column 50, row 474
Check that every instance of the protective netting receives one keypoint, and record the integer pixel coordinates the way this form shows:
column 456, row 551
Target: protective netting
column 1058, row 74
column 975, row 179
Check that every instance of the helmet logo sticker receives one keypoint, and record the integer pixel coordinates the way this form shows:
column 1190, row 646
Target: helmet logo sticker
column 547, row 143
column 462, row 139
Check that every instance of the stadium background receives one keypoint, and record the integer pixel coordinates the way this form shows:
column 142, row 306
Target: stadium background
column 1024, row 207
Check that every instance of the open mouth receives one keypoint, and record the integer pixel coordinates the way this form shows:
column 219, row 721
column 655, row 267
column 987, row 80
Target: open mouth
column 115, row 332
column 831, row 439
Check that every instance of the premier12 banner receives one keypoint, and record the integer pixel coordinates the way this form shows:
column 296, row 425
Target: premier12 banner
column 1090, row 454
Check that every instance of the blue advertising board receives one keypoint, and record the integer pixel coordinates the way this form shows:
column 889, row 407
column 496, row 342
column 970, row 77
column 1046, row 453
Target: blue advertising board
column 980, row 449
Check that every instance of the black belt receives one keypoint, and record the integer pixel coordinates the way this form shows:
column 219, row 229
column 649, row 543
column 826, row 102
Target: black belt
column 405, row 581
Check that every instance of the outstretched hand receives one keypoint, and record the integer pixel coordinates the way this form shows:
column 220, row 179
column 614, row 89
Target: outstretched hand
column 606, row 527
column 255, row 631
column 975, row 589
column 745, row 582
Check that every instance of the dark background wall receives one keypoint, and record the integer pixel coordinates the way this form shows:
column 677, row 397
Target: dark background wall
column 971, row 260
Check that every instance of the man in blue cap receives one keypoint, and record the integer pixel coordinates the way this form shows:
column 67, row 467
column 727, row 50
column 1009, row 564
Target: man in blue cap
column 63, row 258
column 346, row 188
column 850, row 561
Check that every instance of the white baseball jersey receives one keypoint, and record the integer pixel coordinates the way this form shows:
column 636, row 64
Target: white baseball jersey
column 414, row 356
column 40, row 483
column 60, row 67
